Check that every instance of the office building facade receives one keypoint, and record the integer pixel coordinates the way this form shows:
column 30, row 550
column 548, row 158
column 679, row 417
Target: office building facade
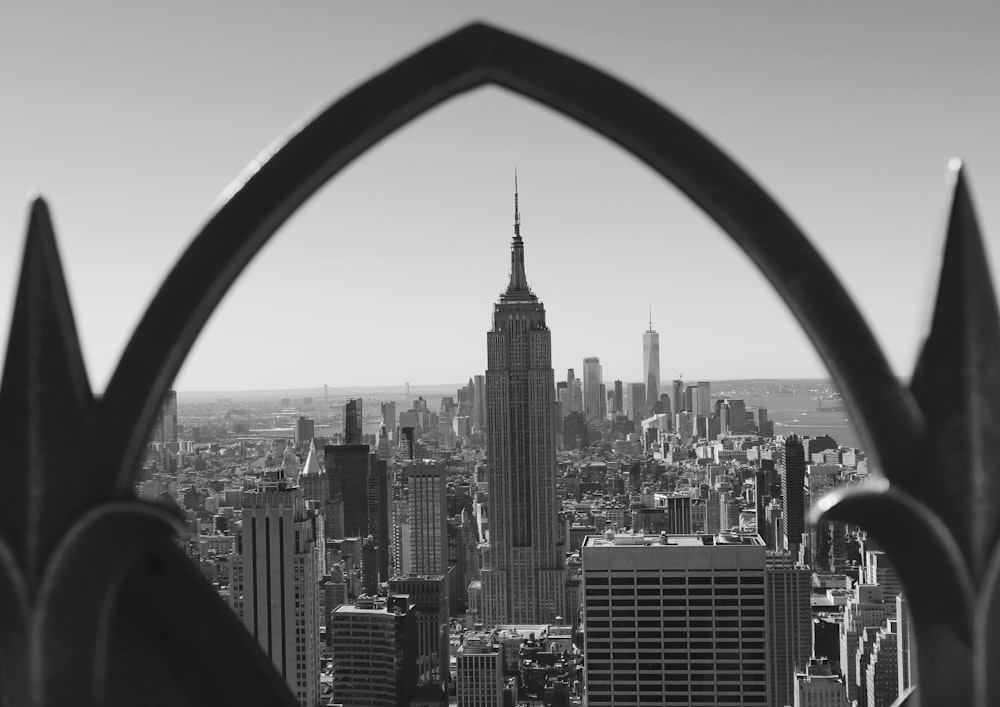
column 674, row 620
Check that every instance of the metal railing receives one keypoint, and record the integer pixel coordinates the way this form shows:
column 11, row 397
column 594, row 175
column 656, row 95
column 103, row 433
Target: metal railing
column 97, row 606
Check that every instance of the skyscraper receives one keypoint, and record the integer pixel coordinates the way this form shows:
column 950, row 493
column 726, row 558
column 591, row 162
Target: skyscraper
column 619, row 397
column 379, row 503
column 791, row 466
column 428, row 518
column 592, row 388
column 525, row 579
column 636, row 401
column 278, row 583
column 651, row 363
column 304, row 429
column 789, row 626
column 479, row 409
column 353, row 431
column 679, row 402
column 347, row 466
column 429, row 595
column 704, row 398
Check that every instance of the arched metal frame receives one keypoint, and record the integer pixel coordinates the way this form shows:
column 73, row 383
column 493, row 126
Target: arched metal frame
column 58, row 511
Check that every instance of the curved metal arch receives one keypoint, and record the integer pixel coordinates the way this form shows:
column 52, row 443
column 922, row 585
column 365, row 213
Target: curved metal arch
column 279, row 182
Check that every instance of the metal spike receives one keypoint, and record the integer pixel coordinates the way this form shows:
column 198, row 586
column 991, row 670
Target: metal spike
column 957, row 385
column 44, row 391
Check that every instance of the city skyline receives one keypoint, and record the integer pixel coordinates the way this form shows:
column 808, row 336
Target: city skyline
column 857, row 167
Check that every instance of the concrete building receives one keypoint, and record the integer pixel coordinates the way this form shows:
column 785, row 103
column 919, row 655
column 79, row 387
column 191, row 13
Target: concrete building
column 674, row 619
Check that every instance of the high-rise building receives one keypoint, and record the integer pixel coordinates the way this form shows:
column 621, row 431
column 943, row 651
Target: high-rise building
column 881, row 680
column 165, row 429
column 651, row 363
column 679, row 515
column 407, row 442
column 704, row 398
column 276, row 586
column 525, row 577
column 790, row 463
column 480, row 673
column 379, row 505
column 765, row 428
column 374, row 645
column 866, row 609
column 353, row 423
column 691, row 399
column 674, row 619
column 389, row 419
column 347, row 465
column 479, row 408
column 679, row 401
column 592, row 388
column 789, row 628
column 619, row 395
column 305, row 429
column 636, row 401
column 429, row 596
column 570, row 388
column 428, row 484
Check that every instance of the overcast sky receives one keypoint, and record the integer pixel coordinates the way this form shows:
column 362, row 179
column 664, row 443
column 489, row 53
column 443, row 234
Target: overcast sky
column 131, row 118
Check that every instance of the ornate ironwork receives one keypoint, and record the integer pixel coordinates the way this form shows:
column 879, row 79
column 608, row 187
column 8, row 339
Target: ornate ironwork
column 101, row 607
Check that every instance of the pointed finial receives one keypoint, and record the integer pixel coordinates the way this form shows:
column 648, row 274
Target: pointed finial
column 651, row 316
column 517, row 212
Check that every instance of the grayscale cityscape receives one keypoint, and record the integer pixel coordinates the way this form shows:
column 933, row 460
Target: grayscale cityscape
column 534, row 537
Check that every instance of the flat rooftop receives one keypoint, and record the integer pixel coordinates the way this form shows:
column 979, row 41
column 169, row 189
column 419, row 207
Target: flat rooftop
column 665, row 540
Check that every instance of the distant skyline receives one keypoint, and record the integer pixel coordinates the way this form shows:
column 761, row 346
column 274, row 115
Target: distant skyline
column 132, row 121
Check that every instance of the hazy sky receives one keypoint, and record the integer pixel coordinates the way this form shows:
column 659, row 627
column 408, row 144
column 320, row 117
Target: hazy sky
column 131, row 118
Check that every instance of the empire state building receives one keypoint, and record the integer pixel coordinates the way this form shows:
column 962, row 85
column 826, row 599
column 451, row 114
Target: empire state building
column 523, row 577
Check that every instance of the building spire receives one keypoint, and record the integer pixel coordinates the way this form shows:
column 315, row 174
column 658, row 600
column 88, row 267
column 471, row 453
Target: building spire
column 517, row 212
column 651, row 316
column 518, row 287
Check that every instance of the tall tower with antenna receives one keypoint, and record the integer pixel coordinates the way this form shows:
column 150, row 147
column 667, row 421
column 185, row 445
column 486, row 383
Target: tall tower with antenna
column 524, row 576
column 651, row 362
